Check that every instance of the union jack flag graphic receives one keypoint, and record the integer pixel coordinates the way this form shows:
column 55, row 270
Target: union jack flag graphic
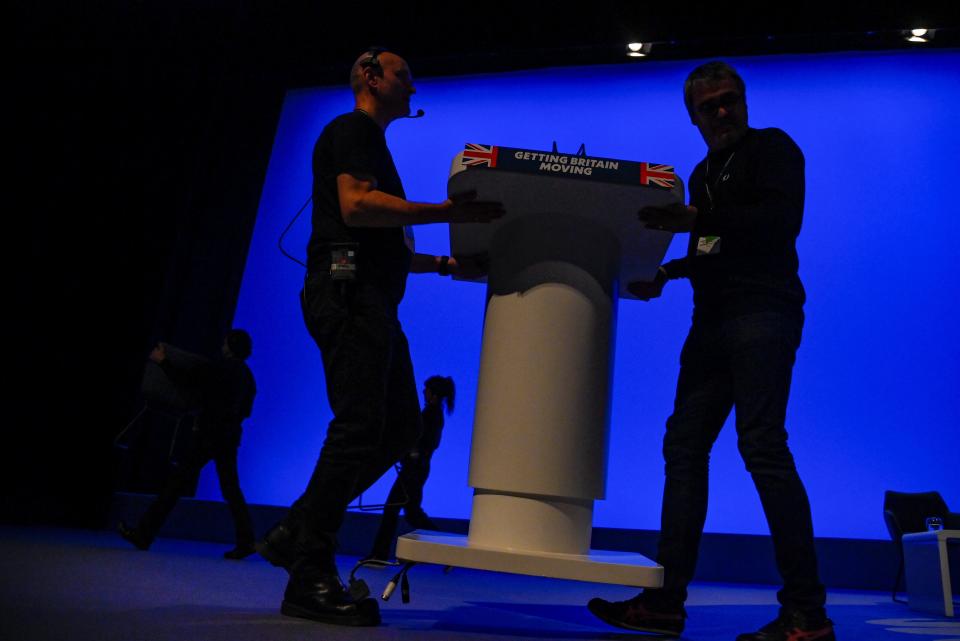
column 659, row 175
column 479, row 155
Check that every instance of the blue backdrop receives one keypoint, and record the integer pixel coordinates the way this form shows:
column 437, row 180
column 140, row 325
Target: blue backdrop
column 875, row 395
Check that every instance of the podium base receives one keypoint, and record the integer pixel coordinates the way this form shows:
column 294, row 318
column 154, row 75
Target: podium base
column 597, row 566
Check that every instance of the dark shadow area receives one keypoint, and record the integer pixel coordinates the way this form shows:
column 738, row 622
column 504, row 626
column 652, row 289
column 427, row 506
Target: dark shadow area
column 85, row 585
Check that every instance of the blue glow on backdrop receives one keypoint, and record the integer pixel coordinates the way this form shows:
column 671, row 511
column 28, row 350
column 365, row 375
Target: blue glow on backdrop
column 874, row 401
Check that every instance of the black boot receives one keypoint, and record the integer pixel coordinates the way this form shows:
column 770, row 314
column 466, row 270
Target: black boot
column 322, row 597
column 134, row 536
column 420, row 521
column 279, row 546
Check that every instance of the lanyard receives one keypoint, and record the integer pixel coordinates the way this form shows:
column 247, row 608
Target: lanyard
column 706, row 177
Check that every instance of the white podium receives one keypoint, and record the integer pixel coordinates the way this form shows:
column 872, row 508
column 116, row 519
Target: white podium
column 570, row 237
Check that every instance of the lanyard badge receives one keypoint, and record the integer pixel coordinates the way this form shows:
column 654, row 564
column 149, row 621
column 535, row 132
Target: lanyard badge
column 343, row 261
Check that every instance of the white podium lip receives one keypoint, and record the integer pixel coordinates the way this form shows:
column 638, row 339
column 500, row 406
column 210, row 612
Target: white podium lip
column 597, row 566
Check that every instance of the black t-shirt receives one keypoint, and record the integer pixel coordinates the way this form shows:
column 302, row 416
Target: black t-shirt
column 227, row 389
column 354, row 144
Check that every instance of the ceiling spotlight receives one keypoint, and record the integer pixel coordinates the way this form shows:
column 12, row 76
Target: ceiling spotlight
column 639, row 49
column 919, row 35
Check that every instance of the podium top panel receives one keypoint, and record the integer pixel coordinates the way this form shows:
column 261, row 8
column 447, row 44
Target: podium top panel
column 597, row 191
column 588, row 168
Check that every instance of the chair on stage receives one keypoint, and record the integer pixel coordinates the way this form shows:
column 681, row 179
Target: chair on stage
column 911, row 521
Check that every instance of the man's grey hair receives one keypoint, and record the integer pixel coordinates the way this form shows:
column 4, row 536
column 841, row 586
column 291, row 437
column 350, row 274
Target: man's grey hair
column 710, row 72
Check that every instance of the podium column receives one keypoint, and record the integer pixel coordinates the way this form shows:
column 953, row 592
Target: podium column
column 539, row 451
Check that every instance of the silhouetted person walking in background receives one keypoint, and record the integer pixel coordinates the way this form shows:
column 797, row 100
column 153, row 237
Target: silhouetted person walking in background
column 227, row 389
column 407, row 490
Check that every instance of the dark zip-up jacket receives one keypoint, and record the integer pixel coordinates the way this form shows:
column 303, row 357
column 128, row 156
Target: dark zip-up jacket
column 742, row 255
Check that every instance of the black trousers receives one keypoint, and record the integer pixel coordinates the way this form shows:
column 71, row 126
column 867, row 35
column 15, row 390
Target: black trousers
column 224, row 454
column 744, row 362
column 373, row 394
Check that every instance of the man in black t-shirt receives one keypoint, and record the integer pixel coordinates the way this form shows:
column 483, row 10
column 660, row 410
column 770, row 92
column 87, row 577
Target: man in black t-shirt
column 746, row 209
column 359, row 254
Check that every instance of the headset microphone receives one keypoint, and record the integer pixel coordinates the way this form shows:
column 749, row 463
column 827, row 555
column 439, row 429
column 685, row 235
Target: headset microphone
column 419, row 114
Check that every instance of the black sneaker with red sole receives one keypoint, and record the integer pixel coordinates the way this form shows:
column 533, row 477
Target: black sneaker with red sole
column 636, row 615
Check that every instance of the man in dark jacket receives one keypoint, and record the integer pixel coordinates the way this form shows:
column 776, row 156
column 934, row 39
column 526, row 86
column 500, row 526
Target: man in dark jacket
column 226, row 388
column 745, row 215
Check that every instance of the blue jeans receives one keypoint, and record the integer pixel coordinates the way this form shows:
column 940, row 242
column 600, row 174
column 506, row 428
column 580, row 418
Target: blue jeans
column 744, row 362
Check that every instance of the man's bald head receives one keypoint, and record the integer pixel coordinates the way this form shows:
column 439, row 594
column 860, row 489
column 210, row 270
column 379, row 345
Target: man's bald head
column 382, row 85
column 371, row 62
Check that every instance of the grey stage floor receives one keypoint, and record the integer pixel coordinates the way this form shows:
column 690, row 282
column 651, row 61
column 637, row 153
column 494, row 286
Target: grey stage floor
column 81, row 585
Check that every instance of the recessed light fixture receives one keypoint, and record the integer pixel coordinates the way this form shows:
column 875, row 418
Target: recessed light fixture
column 919, row 35
column 638, row 49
